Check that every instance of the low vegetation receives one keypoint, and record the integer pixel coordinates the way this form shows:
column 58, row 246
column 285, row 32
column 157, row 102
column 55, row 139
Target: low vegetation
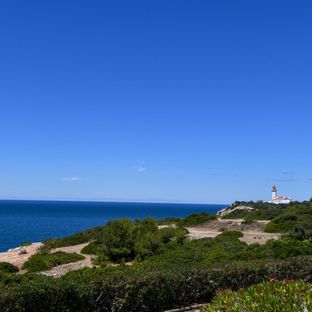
column 140, row 288
column 8, row 267
column 261, row 211
column 268, row 296
column 75, row 239
column 226, row 248
column 297, row 217
column 43, row 262
column 122, row 240
column 294, row 219
column 191, row 220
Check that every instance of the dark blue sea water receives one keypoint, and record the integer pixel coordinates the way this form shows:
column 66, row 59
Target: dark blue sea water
column 33, row 221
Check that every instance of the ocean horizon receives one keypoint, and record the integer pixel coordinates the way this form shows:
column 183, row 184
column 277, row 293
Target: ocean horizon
column 36, row 220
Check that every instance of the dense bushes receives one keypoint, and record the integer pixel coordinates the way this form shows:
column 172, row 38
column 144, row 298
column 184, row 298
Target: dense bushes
column 139, row 288
column 74, row 239
column 123, row 240
column 269, row 296
column 262, row 211
column 227, row 247
column 191, row 220
column 296, row 216
column 8, row 267
column 117, row 228
column 42, row 262
column 196, row 219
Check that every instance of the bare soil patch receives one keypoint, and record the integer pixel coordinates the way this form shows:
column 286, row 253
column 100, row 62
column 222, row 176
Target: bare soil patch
column 253, row 232
column 19, row 255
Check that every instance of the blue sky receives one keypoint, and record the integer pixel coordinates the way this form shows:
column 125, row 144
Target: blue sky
column 184, row 101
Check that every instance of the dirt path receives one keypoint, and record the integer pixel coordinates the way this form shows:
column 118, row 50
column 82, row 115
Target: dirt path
column 249, row 237
column 253, row 232
column 18, row 256
column 65, row 268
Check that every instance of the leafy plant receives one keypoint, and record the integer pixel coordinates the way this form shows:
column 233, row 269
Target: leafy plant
column 43, row 262
column 269, row 296
column 8, row 267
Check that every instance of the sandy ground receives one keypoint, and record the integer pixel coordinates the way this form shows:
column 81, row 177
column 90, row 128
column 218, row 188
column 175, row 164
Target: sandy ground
column 64, row 268
column 253, row 233
column 17, row 258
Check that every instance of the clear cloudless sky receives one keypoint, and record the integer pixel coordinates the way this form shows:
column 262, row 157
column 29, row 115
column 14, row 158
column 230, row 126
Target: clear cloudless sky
column 161, row 100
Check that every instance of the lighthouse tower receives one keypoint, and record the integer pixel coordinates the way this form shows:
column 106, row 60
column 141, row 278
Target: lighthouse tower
column 279, row 199
column 274, row 192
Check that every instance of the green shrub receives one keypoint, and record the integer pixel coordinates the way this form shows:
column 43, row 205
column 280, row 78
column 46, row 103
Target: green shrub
column 8, row 267
column 91, row 249
column 154, row 243
column 230, row 234
column 43, row 250
column 294, row 215
column 168, row 221
column 75, row 239
column 262, row 211
column 43, row 262
column 268, row 296
column 139, row 288
column 196, row 219
column 122, row 240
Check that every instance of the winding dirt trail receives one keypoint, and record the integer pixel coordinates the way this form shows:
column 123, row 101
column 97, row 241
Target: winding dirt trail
column 65, row 268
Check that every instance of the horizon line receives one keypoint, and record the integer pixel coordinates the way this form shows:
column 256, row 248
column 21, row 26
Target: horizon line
column 113, row 201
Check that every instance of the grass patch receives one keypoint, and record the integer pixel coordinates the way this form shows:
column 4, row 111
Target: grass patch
column 43, row 262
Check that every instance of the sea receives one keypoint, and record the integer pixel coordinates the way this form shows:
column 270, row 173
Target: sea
column 33, row 221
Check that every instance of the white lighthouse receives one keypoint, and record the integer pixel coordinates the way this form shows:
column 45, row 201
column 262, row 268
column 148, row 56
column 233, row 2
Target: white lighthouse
column 274, row 192
column 279, row 199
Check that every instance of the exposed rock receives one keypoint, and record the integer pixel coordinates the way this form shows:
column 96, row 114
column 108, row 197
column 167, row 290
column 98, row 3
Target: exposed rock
column 228, row 210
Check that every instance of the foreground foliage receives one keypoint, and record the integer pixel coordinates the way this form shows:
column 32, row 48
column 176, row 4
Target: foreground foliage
column 139, row 288
column 269, row 296
column 43, row 262
column 8, row 267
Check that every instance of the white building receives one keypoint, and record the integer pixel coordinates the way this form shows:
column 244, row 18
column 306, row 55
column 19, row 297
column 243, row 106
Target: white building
column 279, row 199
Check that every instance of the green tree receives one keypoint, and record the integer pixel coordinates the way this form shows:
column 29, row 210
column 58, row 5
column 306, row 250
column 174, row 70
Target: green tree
column 118, row 240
